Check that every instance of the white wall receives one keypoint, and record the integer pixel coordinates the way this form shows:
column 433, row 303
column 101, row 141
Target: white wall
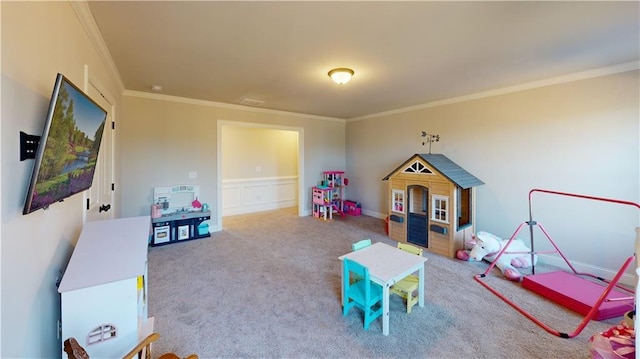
column 259, row 169
column 250, row 152
column 39, row 39
column 164, row 138
column 580, row 137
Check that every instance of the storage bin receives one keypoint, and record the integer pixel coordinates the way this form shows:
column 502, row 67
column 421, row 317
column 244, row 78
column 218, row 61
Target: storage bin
column 352, row 207
column 203, row 229
column 354, row 211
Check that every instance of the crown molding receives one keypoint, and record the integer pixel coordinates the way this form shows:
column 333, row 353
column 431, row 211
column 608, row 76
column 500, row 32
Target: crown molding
column 603, row 71
column 81, row 7
column 85, row 17
column 190, row 101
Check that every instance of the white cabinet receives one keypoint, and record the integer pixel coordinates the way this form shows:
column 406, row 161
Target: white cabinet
column 104, row 288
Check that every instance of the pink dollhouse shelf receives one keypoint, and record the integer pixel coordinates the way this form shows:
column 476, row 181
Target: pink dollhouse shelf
column 577, row 294
column 328, row 197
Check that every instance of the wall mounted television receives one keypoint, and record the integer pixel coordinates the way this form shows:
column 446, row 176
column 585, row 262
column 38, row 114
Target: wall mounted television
column 66, row 158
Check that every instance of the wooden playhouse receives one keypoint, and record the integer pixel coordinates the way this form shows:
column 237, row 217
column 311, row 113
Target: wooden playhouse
column 432, row 203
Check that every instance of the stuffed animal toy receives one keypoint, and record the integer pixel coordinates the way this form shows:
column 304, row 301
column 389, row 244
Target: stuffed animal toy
column 487, row 246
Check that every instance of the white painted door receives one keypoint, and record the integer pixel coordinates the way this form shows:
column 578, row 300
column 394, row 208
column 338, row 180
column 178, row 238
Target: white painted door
column 99, row 198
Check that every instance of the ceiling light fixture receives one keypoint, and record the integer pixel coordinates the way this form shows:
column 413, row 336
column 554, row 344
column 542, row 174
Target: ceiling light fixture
column 341, row 75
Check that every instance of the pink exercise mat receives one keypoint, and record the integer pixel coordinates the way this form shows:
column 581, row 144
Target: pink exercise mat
column 577, row 294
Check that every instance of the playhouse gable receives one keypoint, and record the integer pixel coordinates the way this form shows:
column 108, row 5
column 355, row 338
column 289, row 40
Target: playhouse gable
column 431, row 164
column 413, row 166
column 417, row 167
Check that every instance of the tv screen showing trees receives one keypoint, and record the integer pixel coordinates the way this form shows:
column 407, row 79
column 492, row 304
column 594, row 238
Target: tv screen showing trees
column 68, row 151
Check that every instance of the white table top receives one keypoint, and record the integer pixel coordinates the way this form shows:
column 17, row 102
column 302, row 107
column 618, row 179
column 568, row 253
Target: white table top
column 108, row 251
column 386, row 264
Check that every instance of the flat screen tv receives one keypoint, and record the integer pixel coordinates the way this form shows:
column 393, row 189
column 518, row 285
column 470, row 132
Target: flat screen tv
column 65, row 160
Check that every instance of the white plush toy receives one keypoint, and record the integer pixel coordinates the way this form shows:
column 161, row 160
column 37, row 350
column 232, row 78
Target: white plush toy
column 487, row 246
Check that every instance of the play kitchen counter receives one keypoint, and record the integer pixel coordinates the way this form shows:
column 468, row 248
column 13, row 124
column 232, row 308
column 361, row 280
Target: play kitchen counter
column 177, row 215
column 180, row 226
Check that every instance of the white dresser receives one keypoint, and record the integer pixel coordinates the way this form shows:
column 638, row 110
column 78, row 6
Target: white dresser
column 104, row 288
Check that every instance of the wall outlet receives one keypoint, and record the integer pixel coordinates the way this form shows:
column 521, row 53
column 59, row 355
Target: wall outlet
column 258, row 169
column 193, row 175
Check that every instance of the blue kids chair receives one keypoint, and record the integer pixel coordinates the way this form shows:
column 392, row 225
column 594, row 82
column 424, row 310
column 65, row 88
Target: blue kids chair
column 361, row 244
column 362, row 294
column 357, row 246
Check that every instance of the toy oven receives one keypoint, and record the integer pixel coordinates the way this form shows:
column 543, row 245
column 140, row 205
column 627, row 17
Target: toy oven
column 161, row 233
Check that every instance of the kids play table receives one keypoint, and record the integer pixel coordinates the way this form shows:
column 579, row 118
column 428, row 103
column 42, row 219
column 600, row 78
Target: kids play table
column 387, row 265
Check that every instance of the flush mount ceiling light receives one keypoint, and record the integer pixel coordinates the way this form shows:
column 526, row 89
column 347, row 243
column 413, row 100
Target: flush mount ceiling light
column 341, row 75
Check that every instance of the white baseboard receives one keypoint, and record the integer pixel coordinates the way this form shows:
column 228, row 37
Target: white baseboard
column 374, row 214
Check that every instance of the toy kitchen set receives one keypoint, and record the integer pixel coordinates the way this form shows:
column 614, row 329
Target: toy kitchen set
column 177, row 215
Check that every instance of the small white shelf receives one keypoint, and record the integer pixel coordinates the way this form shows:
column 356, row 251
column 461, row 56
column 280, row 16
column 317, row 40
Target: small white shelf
column 108, row 251
column 105, row 286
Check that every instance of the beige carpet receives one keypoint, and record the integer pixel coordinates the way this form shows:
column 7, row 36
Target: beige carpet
column 268, row 286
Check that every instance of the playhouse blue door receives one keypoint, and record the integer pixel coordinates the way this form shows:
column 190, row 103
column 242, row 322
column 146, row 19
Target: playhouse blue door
column 417, row 232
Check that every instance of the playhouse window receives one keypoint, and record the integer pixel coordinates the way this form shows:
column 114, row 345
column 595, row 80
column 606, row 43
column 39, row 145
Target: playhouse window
column 464, row 207
column 101, row 333
column 440, row 208
column 398, row 201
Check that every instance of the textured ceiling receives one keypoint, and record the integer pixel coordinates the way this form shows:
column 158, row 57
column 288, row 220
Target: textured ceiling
column 403, row 53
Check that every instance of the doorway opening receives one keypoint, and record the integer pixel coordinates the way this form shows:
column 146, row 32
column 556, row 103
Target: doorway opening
column 418, row 200
column 255, row 193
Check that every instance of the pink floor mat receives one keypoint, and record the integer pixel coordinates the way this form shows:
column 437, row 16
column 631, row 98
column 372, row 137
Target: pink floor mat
column 577, row 294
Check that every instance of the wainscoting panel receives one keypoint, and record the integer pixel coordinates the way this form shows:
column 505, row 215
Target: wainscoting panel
column 241, row 196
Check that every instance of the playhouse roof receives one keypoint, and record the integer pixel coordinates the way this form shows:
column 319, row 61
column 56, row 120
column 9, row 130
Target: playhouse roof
column 446, row 167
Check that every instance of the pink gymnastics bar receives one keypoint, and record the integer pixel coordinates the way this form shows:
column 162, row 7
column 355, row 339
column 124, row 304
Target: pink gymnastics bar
column 593, row 312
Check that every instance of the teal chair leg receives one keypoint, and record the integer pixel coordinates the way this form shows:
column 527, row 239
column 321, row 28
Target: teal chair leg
column 345, row 307
column 367, row 319
column 346, row 303
column 371, row 315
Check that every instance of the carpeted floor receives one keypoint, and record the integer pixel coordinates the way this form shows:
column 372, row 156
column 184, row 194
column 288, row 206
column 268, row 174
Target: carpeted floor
column 268, row 286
